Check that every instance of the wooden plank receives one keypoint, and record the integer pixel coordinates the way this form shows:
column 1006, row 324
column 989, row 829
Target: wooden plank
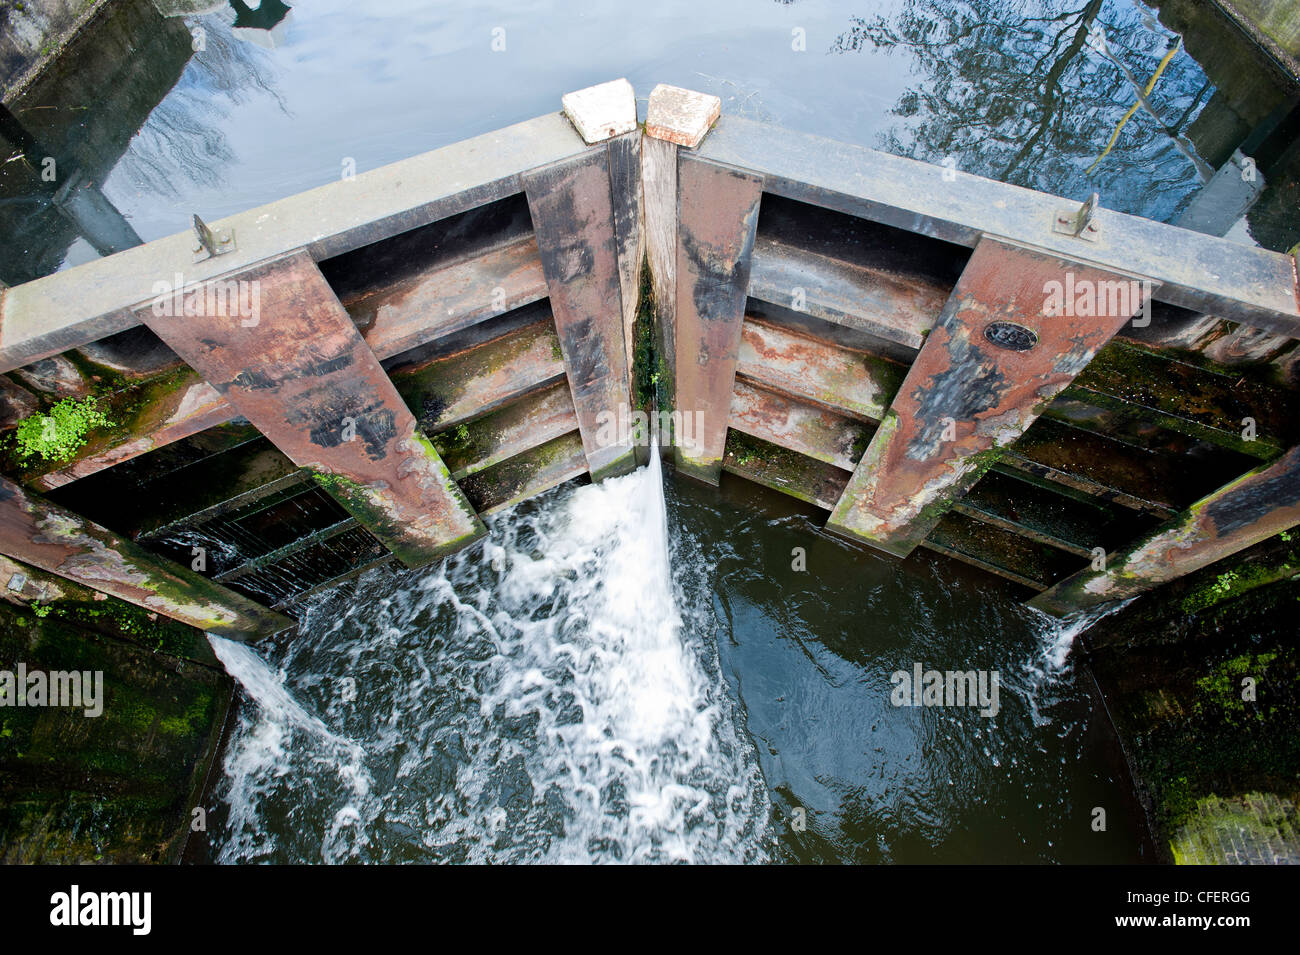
column 52, row 538
column 1244, row 512
column 1050, row 518
column 301, row 373
column 797, row 425
column 999, row 551
column 1144, row 479
column 527, row 475
column 79, row 305
column 446, row 391
column 573, row 215
column 717, row 214
column 840, row 379
column 789, row 472
column 179, row 410
column 986, row 372
column 625, row 189
column 449, row 298
column 867, row 300
column 534, row 419
column 1187, row 399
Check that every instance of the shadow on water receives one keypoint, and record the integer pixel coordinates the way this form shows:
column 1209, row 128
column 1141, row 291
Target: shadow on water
column 576, row 688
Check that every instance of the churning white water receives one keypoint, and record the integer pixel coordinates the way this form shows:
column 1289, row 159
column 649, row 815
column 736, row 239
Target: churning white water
column 552, row 695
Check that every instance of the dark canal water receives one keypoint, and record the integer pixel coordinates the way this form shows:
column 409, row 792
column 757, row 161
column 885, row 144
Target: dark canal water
column 613, row 678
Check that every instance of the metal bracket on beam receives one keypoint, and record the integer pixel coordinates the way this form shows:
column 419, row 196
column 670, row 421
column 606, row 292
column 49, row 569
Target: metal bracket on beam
column 211, row 244
column 1080, row 223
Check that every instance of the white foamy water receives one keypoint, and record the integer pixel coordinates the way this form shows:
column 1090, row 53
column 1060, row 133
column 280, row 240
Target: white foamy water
column 541, row 698
column 1049, row 668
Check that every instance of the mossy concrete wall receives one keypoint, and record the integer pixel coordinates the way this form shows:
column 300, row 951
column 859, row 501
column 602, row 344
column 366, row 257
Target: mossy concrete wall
column 1202, row 679
column 122, row 786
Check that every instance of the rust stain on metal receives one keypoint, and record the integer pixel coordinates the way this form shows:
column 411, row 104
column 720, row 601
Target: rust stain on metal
column 965, row 397
column 301, row 373
column 44, row 535
column 832, row 376
column 1242, row 513
column 573, row 215
column 718, row 209
column 796, row 425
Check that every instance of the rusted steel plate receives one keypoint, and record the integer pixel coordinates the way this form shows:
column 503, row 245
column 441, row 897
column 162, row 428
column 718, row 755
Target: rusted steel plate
column 301, row 373
column 182, row 413
column 796, row 425
column 1200, row 272
column 444, row 392
column 77, row 306
column 866, row 300
column 447, row 299
column 988, row 369
column 573, row 215
column 531, row 420
column 1244, row 512
column 717, row 212
column 44, row 535
column 838, row 378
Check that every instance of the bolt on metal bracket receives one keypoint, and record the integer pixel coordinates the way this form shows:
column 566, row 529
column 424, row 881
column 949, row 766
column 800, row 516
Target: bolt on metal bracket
column 211, row 244
column 1080, row 223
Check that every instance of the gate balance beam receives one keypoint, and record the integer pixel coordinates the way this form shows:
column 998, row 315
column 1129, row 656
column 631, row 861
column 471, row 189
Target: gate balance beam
column 1018, row 327
column 290, row 360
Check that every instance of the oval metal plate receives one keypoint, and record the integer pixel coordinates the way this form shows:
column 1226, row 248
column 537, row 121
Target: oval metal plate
column 1011, row 336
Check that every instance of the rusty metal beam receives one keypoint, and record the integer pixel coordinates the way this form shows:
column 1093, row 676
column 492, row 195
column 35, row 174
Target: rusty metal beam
column 717, row 214
column 798, row 426
column 573, row 215
column 992, row 364
column 867, row 300
column 1195, row 271
column 841, row 379
column 1242, row 513
column 77, row 306
column 449, row 298
column 300, row 372
column 40, row 533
